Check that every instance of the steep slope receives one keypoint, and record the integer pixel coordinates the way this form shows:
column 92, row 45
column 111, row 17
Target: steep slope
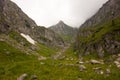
column 66, row 32
column 13, row 19
column 100, row 34
column 108, row 11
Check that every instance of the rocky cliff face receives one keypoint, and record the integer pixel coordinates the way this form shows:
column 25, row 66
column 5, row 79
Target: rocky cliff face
column 100, row 34
column 109, row 10
column 12, row 18
column 66, row 32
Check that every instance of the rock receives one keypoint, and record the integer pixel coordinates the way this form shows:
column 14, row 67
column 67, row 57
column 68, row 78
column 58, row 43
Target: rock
column 41, row 58
column 101, row 72
column 95, row 62
column 118, row 59
column 98, row 70
column 108, row 72
column 117, row 64
column 82, row 67
column 22, row 77
column 33, row 77
column 71, row 59
column 102, row 61
column 100, row 52
column 118, row 55
column 79, row 62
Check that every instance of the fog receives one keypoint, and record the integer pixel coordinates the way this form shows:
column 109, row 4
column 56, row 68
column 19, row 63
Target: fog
column 50, row 12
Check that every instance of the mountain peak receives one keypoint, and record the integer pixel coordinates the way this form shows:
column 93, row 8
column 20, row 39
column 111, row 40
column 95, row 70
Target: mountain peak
column 61, row 22
column 66, row 32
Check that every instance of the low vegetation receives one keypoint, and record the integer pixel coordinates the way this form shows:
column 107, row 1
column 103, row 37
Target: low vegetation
column 15, row 63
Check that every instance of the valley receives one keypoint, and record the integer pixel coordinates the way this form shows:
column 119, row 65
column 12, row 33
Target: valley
column 59, row 52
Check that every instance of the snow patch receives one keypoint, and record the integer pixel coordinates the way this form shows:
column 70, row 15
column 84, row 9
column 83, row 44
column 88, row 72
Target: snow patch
column 28, row 38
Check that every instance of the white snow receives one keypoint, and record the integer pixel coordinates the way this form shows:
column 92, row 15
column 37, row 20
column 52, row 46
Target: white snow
column 28, row 38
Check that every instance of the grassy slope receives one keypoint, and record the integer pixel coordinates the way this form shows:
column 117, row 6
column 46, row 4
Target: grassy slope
column 16, row 63
column 100, row 31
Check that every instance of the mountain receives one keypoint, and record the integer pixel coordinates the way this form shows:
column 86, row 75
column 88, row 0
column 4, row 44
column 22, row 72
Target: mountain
column 14, row 20
column 101, row 33
column 108, row 11
column 68, row 33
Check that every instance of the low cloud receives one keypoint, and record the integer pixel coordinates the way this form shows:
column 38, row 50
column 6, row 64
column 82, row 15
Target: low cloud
column 49, row 12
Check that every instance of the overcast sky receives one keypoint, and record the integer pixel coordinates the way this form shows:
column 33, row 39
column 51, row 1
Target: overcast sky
column 49, row 12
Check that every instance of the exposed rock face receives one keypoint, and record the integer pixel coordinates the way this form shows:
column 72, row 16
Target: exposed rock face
column 100, row 34
column 12, row 18
column 47, row 36
column 65, row 31
column 110, row 10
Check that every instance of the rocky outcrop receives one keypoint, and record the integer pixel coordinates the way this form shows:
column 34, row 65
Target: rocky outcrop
column 47, row 37
column 100, row 34
column 12, row 18
column 68, row 33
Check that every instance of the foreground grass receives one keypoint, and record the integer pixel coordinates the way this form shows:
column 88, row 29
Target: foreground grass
column 14, row 63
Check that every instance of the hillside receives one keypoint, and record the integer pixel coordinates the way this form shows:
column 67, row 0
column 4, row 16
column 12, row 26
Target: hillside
column 13, row 19
column 100, row 33
column 68, row 33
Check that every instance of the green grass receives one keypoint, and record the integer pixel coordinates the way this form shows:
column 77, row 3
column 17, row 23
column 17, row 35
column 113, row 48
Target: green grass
column 14, row 62
column 16, row 36
column 17, row 63
column 46, row 51
column 99, row 31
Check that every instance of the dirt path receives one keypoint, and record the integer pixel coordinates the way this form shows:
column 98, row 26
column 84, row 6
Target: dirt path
column 59, row 54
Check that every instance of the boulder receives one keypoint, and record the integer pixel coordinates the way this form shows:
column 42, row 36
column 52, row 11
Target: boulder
column 118, row 59
column 117, row 64
column 79, row 62
column 22, row 77
column 118, row 55
column 82, row 67
column 41, row 58
column 107, row 72
column 98, row 70
column 34, row 77
column 95, row 62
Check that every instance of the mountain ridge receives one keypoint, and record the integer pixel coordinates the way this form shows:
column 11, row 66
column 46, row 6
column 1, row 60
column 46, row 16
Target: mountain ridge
column 100, row 33
column 12, row 18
